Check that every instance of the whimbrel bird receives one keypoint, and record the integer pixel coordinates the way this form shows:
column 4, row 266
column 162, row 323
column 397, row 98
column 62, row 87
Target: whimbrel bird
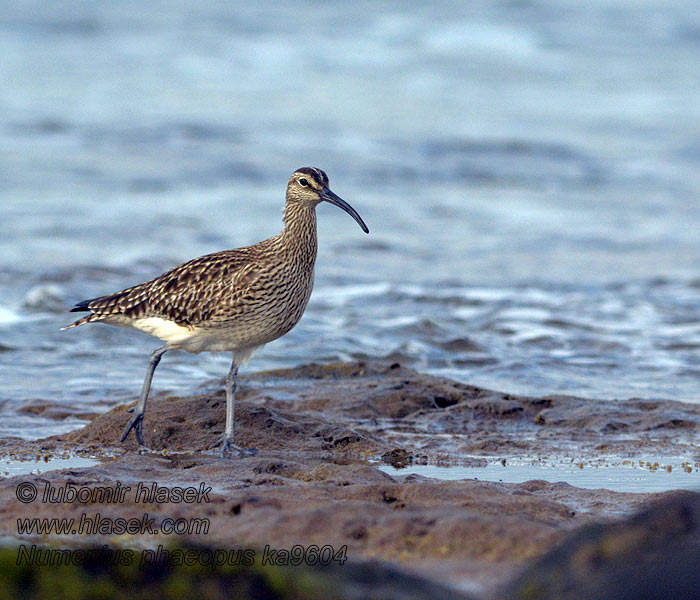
column 235, row 300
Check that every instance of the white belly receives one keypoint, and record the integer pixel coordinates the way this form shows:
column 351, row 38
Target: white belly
column 192, row 339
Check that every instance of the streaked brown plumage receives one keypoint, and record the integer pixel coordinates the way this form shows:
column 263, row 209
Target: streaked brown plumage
column 235, row 300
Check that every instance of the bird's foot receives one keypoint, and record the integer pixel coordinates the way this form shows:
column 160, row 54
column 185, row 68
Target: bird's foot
column 228, row 447
column 136, row 423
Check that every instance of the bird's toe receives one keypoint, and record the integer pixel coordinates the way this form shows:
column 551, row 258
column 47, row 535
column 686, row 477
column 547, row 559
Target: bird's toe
column 228, row 448
column 136, row 423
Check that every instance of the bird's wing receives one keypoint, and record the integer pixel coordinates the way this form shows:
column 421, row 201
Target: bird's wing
column 187, row 294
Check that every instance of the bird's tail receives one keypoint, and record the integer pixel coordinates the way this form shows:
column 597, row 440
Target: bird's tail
column 84, row 306
column 89, row 319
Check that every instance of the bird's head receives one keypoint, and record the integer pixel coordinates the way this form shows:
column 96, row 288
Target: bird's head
column 309, row 186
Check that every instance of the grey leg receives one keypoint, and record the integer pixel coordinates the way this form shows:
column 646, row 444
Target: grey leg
column 137, row 420
column 231, row 386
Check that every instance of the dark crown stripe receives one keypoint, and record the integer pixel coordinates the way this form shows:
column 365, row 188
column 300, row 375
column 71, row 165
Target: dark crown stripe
column 318, row 176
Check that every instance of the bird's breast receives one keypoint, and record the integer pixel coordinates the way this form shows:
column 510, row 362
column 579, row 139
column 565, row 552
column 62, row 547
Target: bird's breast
column 268, row 307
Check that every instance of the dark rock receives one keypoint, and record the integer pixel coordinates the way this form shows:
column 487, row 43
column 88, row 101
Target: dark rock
column 654, row 554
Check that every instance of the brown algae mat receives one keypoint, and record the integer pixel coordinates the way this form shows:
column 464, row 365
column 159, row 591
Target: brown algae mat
column 322, row 433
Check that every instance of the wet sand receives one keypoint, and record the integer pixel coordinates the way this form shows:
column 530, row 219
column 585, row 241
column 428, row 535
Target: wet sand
column 322, row 433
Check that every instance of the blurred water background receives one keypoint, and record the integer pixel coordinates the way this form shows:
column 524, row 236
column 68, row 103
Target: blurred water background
column 529, row 170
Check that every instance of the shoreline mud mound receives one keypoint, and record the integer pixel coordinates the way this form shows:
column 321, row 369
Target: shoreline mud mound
column 374, row 409
column 320, row 431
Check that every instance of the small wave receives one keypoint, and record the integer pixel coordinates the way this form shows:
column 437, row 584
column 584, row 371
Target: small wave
column 83, row 273
column 474, row 361
column 8, row 316
column 339, row 295
column 570, row 324
column 460, row 344
column 435, row 295
column 412, row 326
column 362, row 246
column 49, row 126
column 515, row 160
column 174, row 132
column 45, row 298
column 476, row 296
column 681, row 345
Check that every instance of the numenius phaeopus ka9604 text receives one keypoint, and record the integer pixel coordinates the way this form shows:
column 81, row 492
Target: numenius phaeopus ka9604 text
column 235, row 300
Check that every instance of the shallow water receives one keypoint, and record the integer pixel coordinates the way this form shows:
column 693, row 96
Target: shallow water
column 618, row 476
column 529, row 175
column 13, row 467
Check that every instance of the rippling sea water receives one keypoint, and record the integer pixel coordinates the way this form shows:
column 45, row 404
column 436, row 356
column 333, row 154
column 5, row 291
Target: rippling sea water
column 528, row 170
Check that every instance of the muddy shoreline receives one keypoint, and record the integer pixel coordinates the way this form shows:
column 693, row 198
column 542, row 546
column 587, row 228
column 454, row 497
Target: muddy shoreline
column 326, row 435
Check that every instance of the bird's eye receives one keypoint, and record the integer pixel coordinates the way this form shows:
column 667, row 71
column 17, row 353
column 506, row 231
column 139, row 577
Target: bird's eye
column 303, row 182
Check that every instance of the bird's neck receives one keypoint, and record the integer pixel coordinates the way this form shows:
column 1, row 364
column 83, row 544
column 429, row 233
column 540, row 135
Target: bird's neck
column 300, row 229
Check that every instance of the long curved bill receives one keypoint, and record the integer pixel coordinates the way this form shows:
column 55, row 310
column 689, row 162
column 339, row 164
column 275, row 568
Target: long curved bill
column 329, row 196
